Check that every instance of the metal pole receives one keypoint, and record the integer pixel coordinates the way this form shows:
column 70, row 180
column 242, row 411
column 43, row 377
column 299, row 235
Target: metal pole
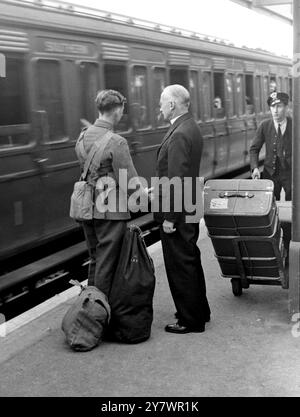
column 294, row 272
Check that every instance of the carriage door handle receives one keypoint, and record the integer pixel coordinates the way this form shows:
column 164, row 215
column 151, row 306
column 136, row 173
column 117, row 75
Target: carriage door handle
column 41, row 160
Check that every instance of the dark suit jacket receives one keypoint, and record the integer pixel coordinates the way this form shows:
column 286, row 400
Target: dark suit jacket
column 266, row 133
column 179, row 156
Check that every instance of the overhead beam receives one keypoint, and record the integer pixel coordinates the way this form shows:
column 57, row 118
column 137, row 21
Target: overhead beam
column 261, row 3
column 264, row 10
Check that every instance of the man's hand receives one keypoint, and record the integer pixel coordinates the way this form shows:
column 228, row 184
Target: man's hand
column 256, row 174
column 168, row 227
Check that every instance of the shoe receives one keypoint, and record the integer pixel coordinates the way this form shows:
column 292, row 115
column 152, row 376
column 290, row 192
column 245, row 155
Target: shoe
column 177, row 328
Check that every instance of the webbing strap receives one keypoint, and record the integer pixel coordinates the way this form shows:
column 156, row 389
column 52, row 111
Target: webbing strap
column 98, row 146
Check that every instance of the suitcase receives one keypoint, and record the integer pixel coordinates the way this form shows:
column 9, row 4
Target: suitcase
column 242, row 221
column 240, row 207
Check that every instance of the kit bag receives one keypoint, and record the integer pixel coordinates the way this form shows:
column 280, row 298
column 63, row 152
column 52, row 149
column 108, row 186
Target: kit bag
column 131, row 295
column 82, row 198
column 86, row 320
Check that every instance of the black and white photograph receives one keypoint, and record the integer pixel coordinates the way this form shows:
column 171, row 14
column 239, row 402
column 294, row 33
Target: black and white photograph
column 149, row 203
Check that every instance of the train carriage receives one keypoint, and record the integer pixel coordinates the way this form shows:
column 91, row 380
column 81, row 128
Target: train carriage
column 58, row 55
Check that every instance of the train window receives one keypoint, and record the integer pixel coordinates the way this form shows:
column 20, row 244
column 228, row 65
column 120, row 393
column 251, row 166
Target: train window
column 240, row 96
column 159, row 83
column 280, row 84
column 258, row 95
column 49, row 90
column 207, row 95
column 13, row 115
column 274, row 86
column 219, row 97
column 179, row 76
column 89, row 84
column 249, row 98
column 265, row 91
column 139, row 105
column 194, row 92
column 230, row 95
column 286, row 85
column 115, row 76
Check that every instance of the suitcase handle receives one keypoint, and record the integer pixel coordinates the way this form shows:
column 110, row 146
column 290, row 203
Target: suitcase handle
column 226, row 194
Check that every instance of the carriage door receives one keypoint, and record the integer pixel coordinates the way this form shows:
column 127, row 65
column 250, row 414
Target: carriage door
column 20, row 187
column 58, row 162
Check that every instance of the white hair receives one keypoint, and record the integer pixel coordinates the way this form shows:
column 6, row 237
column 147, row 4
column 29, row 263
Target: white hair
column 179, row 94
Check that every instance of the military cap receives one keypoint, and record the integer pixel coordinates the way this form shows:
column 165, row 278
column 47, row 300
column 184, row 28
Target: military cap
column 276, row 98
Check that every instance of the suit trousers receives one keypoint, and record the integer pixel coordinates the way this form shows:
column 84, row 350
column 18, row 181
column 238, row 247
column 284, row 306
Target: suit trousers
column 282, row 179
column 185, row 274
column 104, row 240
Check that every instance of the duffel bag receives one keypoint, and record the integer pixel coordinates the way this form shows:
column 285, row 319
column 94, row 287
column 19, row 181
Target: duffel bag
column 86, row 319
column 131, row 295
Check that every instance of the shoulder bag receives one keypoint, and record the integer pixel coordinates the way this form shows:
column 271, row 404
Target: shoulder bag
column 82, row 198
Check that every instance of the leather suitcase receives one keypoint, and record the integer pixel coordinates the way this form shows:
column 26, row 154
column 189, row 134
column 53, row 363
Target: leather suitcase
column 239, row 207
column 242, row 221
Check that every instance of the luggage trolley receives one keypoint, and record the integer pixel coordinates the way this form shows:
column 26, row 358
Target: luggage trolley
column 242, row 221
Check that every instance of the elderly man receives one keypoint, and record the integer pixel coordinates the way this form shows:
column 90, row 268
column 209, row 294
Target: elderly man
column 276, row 134
column 179, row 156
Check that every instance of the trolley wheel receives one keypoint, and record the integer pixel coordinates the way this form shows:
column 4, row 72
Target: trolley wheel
column 237, row 288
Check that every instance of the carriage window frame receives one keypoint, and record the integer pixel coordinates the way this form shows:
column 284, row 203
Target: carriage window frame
column 207, row 101
column 286, row 85
column 16, row 129
column 195, row 94
column 90, row 101
column 280, row 83
column 258, row 94
column 148, row 123
column 46, row 138
column 265, row 92
column 222, row 94
column 124, row 91
column 249, row 92
column 230, row 101
column 240, row 96
column 156, row 106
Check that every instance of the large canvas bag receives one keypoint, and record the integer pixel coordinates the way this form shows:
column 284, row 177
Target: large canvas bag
column 82, row 198
column 131, row 295
column 86, row 320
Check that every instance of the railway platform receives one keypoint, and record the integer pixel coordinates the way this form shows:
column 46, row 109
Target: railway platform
column 249, row 349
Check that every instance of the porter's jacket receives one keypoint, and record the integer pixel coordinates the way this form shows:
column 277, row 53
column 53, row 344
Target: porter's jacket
column 266, row 134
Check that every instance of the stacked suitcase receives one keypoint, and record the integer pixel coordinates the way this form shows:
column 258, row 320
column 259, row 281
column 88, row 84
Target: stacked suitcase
column 241, row 217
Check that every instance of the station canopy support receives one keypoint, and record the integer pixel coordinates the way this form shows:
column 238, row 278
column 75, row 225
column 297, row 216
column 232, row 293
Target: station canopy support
column 294, row 258
column 262, row 6
column 2, row 66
